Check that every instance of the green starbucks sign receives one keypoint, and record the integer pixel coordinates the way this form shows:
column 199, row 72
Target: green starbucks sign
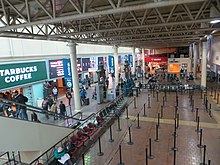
column 17, row 74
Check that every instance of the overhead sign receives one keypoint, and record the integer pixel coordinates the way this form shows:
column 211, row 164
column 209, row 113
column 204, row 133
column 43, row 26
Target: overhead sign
column 111, row 64
column 67, row 73
column 156, row 59
column 56, row 68
column 12, row 75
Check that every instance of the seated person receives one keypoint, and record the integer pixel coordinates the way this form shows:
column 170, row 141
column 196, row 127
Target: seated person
column 62, row 156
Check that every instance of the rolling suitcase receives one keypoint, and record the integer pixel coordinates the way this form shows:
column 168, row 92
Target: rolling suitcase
column 86, row 101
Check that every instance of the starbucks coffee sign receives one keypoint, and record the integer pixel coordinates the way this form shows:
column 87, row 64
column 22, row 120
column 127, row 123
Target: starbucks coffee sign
column 12, row 75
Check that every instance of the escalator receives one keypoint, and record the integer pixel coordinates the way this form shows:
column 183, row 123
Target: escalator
column 28, row 135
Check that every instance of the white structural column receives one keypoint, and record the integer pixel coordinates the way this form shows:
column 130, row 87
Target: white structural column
column 195, row 59
column 115, row 47
column 143, row 60
column 134, row 60
column 204, row 63
column 75, row 77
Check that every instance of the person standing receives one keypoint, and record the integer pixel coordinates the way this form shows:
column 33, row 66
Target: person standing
column 55, row 92
column 21, row 110
column 62, row 108
column 45, row 106
column 69, row 96
column 83, row 95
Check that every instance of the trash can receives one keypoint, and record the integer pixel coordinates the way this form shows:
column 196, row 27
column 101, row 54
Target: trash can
column 135, row 92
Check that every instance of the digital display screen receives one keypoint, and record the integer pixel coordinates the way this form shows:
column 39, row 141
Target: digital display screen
column 56, row 68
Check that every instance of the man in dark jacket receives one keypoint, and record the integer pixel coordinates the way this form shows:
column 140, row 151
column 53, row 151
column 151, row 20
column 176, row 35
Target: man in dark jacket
column 21, row 110
column 62, row 109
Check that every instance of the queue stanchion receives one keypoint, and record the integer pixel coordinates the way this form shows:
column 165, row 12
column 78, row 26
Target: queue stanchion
column 153, row 93
column 201, row 93
column 146, row 156
column 120, row 156
column 138, row 121
column 127, row 112
column 210, row 110
column 83, row 159
column 174, row 141
column 204, row 99
column 192, row 105
column 166, row 95
column 200, row 140
column 157, row 96
column 100, row 153
column 161, row 112
column 110, row 132
column 150, row 150
column 157, row 133
column 174, row 157
column 204, row 153
column 177, row 118
column 119, row 127
column 177, row 101
column 206, row 105
column 197, row 127
column 209, row 162
column 158, row 120
column 129, row 135
column 163, row 100
column 197, row 113
column 144, row 110
column 218, row 98
column 135, row 103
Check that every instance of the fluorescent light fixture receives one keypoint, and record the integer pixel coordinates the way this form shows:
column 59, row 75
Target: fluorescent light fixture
column 215, row 21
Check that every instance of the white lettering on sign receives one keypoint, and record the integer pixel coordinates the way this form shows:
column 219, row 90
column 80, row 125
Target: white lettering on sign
column 18, row 74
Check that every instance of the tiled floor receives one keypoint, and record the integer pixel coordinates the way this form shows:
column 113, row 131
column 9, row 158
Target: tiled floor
column 187, row 138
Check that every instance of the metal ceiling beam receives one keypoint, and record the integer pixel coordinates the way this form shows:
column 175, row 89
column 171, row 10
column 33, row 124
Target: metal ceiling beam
column 98, row 13
column 139, row 27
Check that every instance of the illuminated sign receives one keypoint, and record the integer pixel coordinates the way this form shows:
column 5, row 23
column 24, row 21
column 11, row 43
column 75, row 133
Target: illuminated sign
column 56, row 68
column 12, row 75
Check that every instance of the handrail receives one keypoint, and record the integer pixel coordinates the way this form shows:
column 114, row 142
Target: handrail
column 42, row 111
column 93, row 114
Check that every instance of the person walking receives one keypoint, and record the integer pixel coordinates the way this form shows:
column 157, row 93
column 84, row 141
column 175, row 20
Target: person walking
column 62, row 109
column 83, row 95
column 55, row 92
column 21, row 110
column 54, row 110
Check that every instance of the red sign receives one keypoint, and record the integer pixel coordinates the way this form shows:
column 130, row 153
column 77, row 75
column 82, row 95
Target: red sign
column 156, row 59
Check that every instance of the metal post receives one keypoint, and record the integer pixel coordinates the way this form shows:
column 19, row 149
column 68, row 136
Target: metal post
column 83, row 159
column 178, row 118
column 100, row 153
column 218, row 98
column 158, row 120
column 209, row 162
column 197, row 127
column 206, row 104
column 163, row 100
column 174, row 141
column 177, row 101
column 111, row 139
column 204, row 152
column 153, row 93
column 135, row 103
column 157, row 133
column 119, row 128
column 174, row 157
column 192, row 105
column 150, row 148
column 138, row 120
column 197, row 113
column 120, row 156
column 201, row 93
column 127, row 112
column 144, row 110
column 157, row 97
column 161, row 112
column 200, row 140
column 146, row 155
column 129, row 134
